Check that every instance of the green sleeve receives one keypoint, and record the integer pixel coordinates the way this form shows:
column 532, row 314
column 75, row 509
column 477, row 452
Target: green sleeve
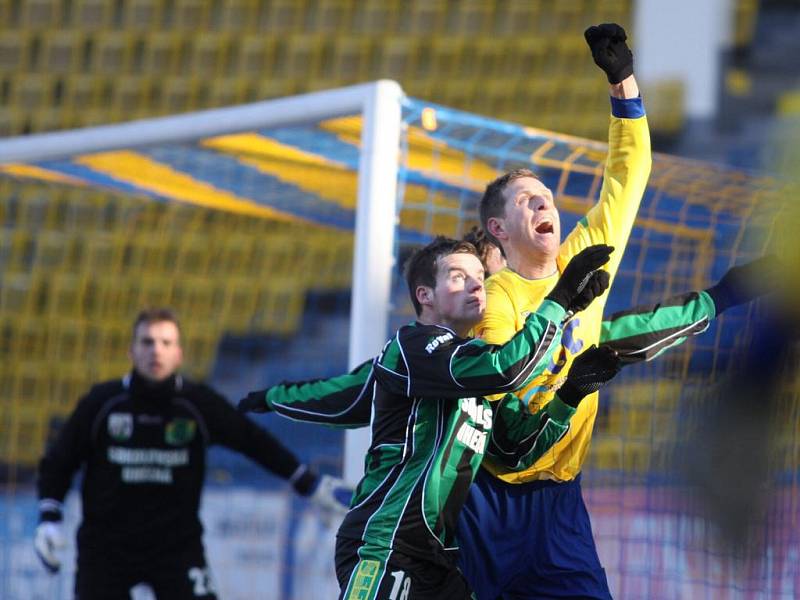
column 519, row 438
column 341, row 401
column 644, row 332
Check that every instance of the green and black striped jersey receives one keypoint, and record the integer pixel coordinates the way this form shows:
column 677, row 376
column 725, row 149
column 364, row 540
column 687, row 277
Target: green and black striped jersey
column 430, row 426
column 638, row 334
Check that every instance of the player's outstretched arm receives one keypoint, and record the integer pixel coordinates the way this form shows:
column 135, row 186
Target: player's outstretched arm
column 520, row 438
column 340, row 401
column 645, row 332
column 629, row 158
column 230, row 428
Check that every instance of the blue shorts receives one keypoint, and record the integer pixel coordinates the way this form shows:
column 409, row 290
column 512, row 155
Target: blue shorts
column 531, row 540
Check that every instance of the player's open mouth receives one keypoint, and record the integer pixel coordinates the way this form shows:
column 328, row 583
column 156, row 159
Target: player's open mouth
column 544, row 227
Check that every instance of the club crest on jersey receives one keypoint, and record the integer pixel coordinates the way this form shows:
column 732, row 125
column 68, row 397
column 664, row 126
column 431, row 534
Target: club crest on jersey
column 120, row 426
column 438, row 341
column 180, row 431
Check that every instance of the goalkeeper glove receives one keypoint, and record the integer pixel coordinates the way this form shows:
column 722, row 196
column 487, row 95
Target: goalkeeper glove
column 49, row 538
column 590, row 371
column 254, row 402
column 579, row 272
column 609, row 50
column 330, row 495
column 745, row 282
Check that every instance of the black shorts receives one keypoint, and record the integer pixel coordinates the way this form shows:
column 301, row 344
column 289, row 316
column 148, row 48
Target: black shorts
column 182, row 575
column 369, row 573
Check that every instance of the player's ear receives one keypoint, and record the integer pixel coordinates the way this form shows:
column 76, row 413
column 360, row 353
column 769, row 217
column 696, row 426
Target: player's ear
column 424, row 295
column 497, row 227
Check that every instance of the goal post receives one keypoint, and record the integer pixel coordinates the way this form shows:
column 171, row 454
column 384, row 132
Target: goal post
column 378, row 103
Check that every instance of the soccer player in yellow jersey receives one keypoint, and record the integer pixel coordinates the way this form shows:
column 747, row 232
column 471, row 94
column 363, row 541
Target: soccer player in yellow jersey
column 527, row 534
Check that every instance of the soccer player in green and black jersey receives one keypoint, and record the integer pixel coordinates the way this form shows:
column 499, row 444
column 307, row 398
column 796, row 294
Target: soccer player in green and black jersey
column 430, row 422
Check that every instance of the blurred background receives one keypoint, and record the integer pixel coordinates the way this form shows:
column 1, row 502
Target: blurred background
column 249, row 237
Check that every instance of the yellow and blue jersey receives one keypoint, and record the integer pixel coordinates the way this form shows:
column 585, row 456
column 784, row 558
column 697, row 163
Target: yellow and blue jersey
column 511, row 297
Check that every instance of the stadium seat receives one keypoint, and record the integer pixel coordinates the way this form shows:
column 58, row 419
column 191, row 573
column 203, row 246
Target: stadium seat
column 62, row 52
column 15, row 51
column 92, row 15
column 191, row 15
column 41, row 14
column 164, row 53
column 143, row 15
column 210, row 55
column 113, row 53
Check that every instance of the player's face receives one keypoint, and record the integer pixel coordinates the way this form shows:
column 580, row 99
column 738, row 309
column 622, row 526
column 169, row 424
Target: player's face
column 531, row 221
column 156, row 350
column 459, row 297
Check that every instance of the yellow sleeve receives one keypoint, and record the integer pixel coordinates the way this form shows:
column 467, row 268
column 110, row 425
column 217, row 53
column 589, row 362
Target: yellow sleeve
column 624, row 181
column 498, row 324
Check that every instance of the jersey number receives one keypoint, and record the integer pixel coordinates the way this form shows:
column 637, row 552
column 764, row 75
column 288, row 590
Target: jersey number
column 401, row 587
column 201, row 580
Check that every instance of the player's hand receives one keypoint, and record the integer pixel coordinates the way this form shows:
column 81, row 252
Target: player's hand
column 597, row 284
column 746, row 282
column 331, row 496
column 254, row 402
column 576, row 277
column 48, row 543
column 609, row 50
column 590, row 371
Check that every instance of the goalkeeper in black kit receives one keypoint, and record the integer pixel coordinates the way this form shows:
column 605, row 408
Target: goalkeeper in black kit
column 141, row 442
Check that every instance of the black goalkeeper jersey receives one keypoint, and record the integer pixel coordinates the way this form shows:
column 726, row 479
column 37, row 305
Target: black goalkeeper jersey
column 143, row 452
column 430, row 427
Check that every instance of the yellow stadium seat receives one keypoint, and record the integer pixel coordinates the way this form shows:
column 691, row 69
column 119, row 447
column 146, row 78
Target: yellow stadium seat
column 284, row 17
column 191, row 15
column 227, row 92
column 447, row 56
column 423, row 17
column 210, row 55
column 132, row 95
column 304, row 57
column 112, row 53
column 351, row 59
column 67, row 295
column 143, row 15
column 34, row 91
column 62, row 51
column 376, row 16
column 90, row 15
column 15, row 51
column 399, row 57
column 41, row 14
column 239, row 15
column 82, row 91
column 255, row 56
column 471, row 17
column 179, row 94
column 164, row 53
column 518, row 17
column 330, row 16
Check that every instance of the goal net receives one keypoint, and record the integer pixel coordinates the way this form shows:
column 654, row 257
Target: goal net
column 275, row 230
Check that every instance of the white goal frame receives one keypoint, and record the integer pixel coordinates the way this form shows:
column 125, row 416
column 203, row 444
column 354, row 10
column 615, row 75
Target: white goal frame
column 379, row 104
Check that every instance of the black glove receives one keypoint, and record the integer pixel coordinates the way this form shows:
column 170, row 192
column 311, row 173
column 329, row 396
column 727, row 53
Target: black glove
column 576, row 277
column 746, row 282
column 254, row 402
column 597, row 284
column 609, row 50
column 590, row 371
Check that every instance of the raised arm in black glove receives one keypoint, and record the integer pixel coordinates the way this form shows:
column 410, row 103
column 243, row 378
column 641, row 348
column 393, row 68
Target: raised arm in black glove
column 746, row 282
column 590, row 371
column 579, row 283
column 609, row 50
